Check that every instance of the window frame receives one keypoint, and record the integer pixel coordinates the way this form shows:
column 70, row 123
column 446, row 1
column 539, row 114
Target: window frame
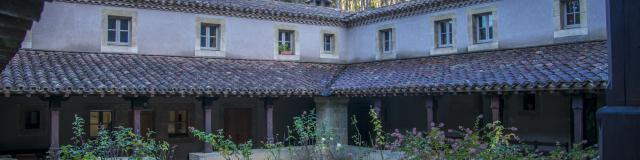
column 386, row 40
column 184, row 122
column 331, row 43
column 478, row 26
column 564, row 4
column 282, row 33
column 217, row 35
column 448, row 34
column 118, row 29
column 529, row 99
column 100, row 124
column 27, row 120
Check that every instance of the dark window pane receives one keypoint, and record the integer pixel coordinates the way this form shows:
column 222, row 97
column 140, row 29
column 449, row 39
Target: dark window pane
column 124, row 37
column 577, row 18
column 203, row 30
column 111, row 36
column 203, row 41
column 570, row 19
column 482, row 34
column 214, row 31
column 111, row 23
column 124, row 25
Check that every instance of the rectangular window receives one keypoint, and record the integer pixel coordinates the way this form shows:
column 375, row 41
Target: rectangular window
column 177, row 123
column 210, row 36
column 529, row 102
column 444, row 31
column 99, row 120
column 32, row 120
column 286, row 42
column 118, row 30
column 483, row 27
column 328, row 43
column 571, row 13
column 386, row 40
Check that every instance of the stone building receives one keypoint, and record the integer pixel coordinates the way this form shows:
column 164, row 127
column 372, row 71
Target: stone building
column 249, row 66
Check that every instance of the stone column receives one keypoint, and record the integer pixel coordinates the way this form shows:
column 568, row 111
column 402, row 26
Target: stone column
column 332, row 113
column 495, row 108
column 429, row 106
column 377, row 107
column 137, row 105
column 577, row 106
column 55, row 104
column 207, row 105
column 268, row 108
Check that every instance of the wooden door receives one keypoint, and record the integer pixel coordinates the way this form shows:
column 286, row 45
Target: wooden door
column 146, row 122
column 237, row 124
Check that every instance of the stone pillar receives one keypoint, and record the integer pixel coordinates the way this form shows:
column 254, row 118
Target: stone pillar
column 377, row 107
column 207, row 105
column 495, row 108
column 332, row 113
column 268, row 108
column 429, row 105
column 137, row 105
column 55, row 104
column 577, row 105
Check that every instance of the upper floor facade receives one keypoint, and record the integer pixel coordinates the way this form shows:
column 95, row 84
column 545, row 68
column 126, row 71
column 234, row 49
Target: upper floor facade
column 326, row 35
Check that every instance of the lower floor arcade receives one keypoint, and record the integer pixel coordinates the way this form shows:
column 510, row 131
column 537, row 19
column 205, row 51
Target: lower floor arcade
column 38, row 124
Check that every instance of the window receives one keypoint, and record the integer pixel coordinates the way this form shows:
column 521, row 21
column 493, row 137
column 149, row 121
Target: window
column 286, row 42
column 483, row 27
column 571, row 14
column 386, row 40
column 118, row 30
column 444, row 31
column 177, row 123
column 99, row 120
column 328, row 43
column 529, row 102
column 210, row 36
column 32, row 120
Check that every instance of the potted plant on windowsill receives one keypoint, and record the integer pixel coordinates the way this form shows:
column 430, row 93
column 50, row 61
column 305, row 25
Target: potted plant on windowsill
column 284, row 49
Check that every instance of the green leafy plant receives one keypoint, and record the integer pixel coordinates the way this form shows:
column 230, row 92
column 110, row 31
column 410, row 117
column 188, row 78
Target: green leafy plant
column 120, row 142
column 224, row 144
column 283, row 47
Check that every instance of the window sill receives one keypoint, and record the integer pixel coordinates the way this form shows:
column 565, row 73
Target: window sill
column 119, row 49
column 570, row 32
column 329, row 55
column 294, row 57
column 209, row 53
column 443, row 51
column 483, row 46
column 386, row 55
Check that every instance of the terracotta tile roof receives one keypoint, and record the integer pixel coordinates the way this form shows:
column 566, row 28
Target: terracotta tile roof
column 288, row 12
column 36, row 72
column 555, row 67
column 575, row 66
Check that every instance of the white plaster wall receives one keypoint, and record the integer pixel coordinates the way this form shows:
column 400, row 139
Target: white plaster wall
column 77, row 27
column 520, row 23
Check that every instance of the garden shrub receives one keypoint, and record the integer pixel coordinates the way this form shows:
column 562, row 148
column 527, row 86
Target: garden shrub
column 119, row 142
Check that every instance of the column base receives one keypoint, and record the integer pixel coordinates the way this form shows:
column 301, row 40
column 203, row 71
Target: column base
column 54, row 153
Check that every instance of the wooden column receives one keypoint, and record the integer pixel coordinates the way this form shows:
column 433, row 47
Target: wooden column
column 137, row 105
column 495, row 108
column 268, row 108
column 429, row 105
column 577, row 104
column 55, row 104
column 207, row 105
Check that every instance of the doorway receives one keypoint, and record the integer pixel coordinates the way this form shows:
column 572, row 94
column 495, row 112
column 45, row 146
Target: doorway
column 237, row 124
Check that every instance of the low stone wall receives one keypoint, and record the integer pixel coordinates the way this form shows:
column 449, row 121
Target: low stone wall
column 286, row 153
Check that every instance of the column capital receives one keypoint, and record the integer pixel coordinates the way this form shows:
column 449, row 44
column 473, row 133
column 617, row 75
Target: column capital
column 55, row 101
column 207, row 102
column 577, row 102
column 338, row 100
column 138, row 102
column 268, row 101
